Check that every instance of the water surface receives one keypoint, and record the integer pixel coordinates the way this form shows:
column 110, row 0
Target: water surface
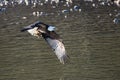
column 91, row 39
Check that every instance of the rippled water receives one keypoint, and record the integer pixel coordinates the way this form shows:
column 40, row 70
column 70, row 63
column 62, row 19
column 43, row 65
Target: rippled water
column 91, row 39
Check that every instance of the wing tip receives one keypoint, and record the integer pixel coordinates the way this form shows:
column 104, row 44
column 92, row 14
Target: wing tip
column 64, row 59
column 22, row 30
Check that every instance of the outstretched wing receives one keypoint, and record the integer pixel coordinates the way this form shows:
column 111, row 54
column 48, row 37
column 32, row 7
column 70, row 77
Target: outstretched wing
column 31, row 26
column 58, row 48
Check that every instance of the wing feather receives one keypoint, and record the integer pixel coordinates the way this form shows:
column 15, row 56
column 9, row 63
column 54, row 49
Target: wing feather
column 58, row 48
column 31, row 26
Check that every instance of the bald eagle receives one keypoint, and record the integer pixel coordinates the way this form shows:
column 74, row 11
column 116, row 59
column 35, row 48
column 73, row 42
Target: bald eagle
column 39, row 29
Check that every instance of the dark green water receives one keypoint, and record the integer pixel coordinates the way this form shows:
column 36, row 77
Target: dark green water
column 91, row 39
